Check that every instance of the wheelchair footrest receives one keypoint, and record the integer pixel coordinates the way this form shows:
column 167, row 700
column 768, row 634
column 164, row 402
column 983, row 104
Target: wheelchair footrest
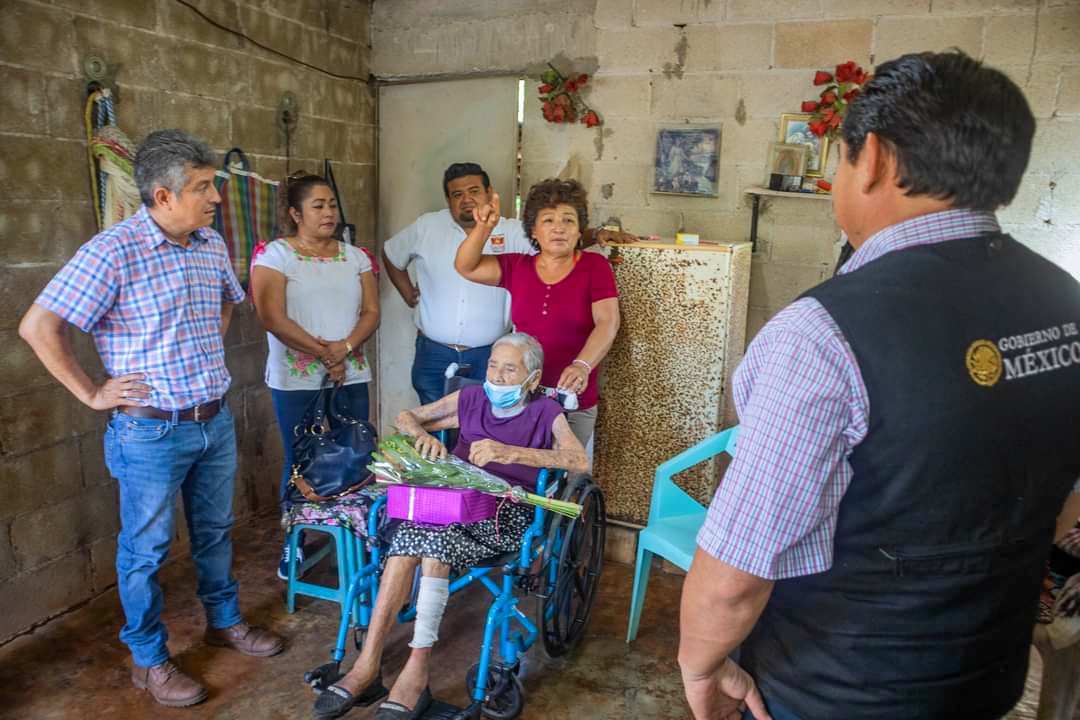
column 439, row 710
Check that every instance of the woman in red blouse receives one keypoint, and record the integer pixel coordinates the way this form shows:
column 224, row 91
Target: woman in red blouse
column 563, row 297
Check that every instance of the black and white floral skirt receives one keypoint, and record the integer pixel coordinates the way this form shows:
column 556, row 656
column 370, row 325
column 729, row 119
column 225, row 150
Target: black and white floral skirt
column 464, row 545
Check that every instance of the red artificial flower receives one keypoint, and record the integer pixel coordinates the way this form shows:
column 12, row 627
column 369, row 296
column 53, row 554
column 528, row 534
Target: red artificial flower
column 817, row 127
column 828, row 97
column 545, row 89
column 570, row 86
column 851, row 94
column 822, row 78
column 861, row 76
column 828, row 114
column 845, row 72
column 809, row 106
column 549, row 111
column 558, row 114
column 564, row 100
column 582, row 79
column 835, row 120
column 824, row 185
column 591, row 119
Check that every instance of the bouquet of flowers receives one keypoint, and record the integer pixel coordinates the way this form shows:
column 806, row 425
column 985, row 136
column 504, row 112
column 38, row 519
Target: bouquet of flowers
column 398, row 462
column 841, row 88
column 562, row 99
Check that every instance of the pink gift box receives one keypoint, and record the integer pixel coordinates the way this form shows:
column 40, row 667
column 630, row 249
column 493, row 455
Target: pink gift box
column 439, row 506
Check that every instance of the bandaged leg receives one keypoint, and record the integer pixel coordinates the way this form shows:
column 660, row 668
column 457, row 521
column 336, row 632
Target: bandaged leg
column 430, row 606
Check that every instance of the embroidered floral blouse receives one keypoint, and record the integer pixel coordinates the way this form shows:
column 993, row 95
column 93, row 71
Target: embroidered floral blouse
column 323, row 295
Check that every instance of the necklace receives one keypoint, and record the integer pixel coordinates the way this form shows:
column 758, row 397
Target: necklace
column 325, row 246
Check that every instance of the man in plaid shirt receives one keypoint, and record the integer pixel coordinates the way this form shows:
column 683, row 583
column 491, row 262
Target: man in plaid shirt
column 908, row 434
column 156, row 293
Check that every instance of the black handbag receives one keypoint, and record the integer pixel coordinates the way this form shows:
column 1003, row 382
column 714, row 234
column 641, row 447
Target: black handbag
column 331, row 450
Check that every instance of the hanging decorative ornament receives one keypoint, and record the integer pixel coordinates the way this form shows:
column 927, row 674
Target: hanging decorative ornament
column 562, row 102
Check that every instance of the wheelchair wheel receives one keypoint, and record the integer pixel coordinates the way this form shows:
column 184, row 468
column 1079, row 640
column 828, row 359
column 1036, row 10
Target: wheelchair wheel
column 577, row 549
column 505, row 696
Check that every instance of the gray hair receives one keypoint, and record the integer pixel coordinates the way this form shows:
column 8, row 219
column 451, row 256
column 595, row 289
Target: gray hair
column 163, row 158
column 531, row 352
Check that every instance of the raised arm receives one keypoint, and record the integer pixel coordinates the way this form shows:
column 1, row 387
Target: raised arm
column 268, row 287
column 439, row 415
column 567, row 454
column 47, row 334
column 471, row 262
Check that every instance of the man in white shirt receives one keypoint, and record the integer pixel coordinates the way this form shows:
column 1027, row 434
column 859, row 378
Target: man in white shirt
column 457, row 320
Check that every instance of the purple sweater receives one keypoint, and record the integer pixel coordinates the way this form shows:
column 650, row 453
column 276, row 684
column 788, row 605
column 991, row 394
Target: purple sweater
column 529, row 429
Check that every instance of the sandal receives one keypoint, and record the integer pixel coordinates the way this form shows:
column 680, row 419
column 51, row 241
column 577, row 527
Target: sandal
column 335, row 701
column 397, row 711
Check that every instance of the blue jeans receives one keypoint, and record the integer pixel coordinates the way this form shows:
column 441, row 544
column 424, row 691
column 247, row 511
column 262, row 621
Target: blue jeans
column 152, row 460
column 289, row 407
column 431, row 361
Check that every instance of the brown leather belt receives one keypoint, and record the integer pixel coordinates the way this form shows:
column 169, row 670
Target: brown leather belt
column 457, row 348
column 199, row 413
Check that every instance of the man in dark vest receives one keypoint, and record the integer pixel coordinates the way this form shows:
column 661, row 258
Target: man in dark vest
column 909, row 432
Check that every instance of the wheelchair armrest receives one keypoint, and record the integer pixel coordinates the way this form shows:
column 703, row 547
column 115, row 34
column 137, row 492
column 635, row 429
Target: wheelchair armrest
column 373, row 517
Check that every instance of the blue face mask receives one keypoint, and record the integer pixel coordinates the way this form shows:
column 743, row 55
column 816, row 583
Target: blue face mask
column 505, row 396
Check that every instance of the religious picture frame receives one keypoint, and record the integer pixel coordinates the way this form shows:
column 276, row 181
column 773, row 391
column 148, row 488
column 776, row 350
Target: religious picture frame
column 687, row 160
column 788, row 159
column 795, row 130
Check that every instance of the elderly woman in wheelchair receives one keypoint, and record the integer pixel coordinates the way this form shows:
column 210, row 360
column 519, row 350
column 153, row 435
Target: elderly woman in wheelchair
column 509, row 431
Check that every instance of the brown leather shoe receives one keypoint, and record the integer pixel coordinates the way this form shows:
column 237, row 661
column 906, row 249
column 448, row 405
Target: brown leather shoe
column 168, row 685
column 246, row 639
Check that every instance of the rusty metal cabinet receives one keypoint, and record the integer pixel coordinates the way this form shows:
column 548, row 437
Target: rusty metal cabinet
column 666, row 382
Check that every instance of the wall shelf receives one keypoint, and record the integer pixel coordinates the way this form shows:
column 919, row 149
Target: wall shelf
column 758, row 192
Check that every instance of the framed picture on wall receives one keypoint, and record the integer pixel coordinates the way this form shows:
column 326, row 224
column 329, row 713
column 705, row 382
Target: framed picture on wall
column 795, row 130
column 687, row 160
column 787, row 159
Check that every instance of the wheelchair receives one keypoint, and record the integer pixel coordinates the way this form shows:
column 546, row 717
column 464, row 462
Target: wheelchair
column 558, row 566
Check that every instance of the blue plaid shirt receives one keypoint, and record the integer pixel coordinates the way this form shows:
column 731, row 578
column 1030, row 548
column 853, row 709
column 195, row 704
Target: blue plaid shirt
column 152, row 306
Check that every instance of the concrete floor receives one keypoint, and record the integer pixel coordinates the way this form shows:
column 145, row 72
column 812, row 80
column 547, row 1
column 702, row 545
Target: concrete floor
column 75, row 667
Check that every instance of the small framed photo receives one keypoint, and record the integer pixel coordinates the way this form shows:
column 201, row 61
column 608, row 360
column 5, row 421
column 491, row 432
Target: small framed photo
column 787, row 159
column 687, row 160
column 795, row 130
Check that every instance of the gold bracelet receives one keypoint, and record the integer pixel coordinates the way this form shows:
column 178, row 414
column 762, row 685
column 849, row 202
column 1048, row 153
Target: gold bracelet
column 348, row 346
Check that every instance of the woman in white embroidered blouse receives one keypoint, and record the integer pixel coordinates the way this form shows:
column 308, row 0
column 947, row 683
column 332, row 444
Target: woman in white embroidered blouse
column 319, row 302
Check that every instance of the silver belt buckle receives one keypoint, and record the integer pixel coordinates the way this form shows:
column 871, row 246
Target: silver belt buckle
column 195, row 413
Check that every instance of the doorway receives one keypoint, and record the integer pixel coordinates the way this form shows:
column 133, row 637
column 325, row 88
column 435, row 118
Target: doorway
column 423, row 128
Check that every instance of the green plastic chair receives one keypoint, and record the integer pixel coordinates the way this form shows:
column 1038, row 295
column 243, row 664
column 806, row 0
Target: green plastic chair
column 674, row 519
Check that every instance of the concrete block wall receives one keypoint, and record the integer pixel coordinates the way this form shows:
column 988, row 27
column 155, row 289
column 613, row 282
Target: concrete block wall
column 741, row 63
column 58, row 505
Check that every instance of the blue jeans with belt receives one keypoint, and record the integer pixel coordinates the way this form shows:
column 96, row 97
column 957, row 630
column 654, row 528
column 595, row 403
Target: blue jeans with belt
column 289, row 407
column 153, row 460
column 431, row 361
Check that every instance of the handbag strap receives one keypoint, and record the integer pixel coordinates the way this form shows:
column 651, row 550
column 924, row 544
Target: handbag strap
column 297, row 480
column 316, row 411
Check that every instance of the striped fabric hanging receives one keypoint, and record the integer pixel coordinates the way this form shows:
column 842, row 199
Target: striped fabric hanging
column 245, row 217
